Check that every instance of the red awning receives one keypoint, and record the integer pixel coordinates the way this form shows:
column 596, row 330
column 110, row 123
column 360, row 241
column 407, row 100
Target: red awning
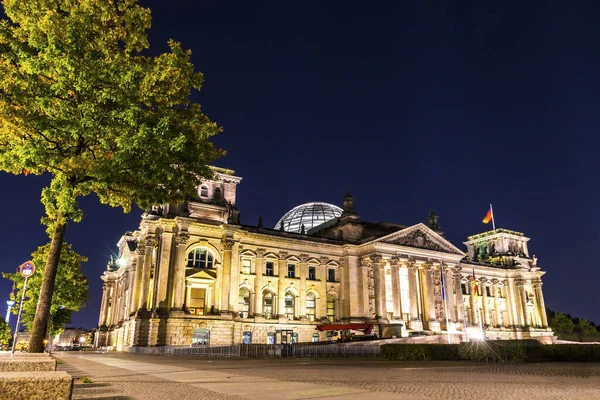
column 339, row 327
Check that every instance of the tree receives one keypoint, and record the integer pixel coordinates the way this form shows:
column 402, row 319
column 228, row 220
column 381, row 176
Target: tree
column 82, row 101
column 70, row 292
column 586, row 328
column 5, row 333
column 561, row 324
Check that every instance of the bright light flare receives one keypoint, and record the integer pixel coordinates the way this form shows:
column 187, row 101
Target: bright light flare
column 475, row 333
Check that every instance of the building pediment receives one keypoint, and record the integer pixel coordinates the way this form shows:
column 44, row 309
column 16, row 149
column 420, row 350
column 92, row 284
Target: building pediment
column 198, row 275
column 422, row 237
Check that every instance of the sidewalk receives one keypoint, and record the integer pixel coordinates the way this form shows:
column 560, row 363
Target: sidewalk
column 118, row 378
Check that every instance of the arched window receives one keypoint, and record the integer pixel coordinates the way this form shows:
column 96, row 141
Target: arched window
column 217, row 194
column 268, row 304
column 244, row 302
column 203, row 191
column 310, row 306
column 331, row 307
column 200, row 258
column 290, row 304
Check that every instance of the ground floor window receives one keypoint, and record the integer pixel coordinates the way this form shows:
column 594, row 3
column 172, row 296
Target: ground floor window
column 244, row 302
column 201, row 337
column 290, row 305
column 315, row 337
column 310, row 306
column 268, row 304
column 246, row 337
column 271, row 338
column 330, row 307
column 197, row 301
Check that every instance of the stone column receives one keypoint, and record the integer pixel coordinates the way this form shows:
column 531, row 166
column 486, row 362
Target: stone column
column 163, row 271
column 281, row 287
column 139, row 276
column 520, row 283
column 218, row 292
column 110, row 301
column 104, row 305
column 365, row 265
column 450, row 306
column 114, row 318
column 151, row 243
column 259, row 266
column 511, row 304
column 303, row 271
column 486, row 316
column 378, row 282
column 499, row 320
column 460, row 307
column 539, row 297
column 396, row 288
column 179, row 271
column 227, row 244
column 427, row 289
column 415, row 322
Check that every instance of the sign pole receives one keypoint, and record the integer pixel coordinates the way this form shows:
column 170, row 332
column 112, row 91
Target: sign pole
column 19, row 317
column 26, row 270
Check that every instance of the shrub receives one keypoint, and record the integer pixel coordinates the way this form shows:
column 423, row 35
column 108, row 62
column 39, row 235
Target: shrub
column 419, row 352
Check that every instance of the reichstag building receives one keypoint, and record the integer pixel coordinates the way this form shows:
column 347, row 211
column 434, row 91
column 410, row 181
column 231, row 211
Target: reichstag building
column 191, row 274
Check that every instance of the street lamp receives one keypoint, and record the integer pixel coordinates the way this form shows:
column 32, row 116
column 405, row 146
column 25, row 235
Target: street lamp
column 10, row 304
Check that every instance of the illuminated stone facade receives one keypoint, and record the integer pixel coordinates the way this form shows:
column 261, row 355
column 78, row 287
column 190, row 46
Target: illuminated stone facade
column 191, row 273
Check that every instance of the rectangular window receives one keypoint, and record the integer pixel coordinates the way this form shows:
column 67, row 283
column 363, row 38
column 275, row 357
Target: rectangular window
column 270, row 269
column 330, row 308
column 331, row 275
column 312, row 273
column 271, row 338
column 291, row 271
column 488, row 291
column 310, row 307
column 246, row 266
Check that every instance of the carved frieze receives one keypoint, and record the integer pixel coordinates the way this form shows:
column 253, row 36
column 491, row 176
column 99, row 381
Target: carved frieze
column 151, row 241
column 418, row 238
column 260, row 253
column 227, row 243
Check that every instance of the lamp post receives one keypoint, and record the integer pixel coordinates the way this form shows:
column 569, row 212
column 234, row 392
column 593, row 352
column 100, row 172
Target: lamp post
column 10, row 304
column 26, row 269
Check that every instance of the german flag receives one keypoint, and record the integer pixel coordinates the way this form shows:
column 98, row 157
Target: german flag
column 488, row 217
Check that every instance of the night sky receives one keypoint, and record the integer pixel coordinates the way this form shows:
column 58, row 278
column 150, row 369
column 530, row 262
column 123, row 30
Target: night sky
column 408, row 106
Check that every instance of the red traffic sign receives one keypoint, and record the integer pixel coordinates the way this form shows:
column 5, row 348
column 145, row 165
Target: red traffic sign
column 27, row 269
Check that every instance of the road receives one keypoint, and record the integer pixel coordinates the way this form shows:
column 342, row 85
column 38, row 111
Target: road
column 146, row 377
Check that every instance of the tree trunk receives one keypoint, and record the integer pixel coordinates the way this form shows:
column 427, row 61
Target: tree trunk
column 42, row 314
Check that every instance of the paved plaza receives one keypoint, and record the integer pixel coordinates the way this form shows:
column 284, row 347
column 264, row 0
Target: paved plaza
column 130, row 376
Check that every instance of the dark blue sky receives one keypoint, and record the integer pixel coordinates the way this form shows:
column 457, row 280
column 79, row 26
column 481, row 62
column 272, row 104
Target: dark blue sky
column 408, row 106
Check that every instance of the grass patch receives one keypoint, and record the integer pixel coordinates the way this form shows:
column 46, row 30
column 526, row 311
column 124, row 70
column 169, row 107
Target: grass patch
column 85, row 379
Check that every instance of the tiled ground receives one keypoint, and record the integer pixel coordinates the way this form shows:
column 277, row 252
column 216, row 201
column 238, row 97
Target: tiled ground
column 126, row 376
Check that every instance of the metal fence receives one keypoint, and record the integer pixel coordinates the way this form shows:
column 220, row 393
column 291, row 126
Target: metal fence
column 266, row 350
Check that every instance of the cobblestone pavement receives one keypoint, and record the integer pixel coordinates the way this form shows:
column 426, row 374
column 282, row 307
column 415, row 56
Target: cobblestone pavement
column 385, row 379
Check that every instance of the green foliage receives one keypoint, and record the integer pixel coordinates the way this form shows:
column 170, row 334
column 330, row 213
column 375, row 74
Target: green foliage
column 5, row 333
column 85, row 379
column 493, row 351
column 586, row 328
column 70, row 290
column 561, row 324
column 81, row 100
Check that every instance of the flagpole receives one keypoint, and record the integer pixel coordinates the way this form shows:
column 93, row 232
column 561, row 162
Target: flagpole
column 493, row 222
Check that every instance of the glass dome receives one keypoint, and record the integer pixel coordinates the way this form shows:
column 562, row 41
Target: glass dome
column 309, row 215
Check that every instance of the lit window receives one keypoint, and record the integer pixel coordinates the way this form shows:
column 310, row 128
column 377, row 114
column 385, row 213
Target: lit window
column 196, row 301
column 268, row 304
column 312, row 273
column 244, row 302
column 331, row 307
column 246, row 266
column 289, row 305
column 199, row 258
column 331, row 275
column 291, row 271
column 271, row 338
column 270, row 269
column 203, row 191
column 310, row 306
